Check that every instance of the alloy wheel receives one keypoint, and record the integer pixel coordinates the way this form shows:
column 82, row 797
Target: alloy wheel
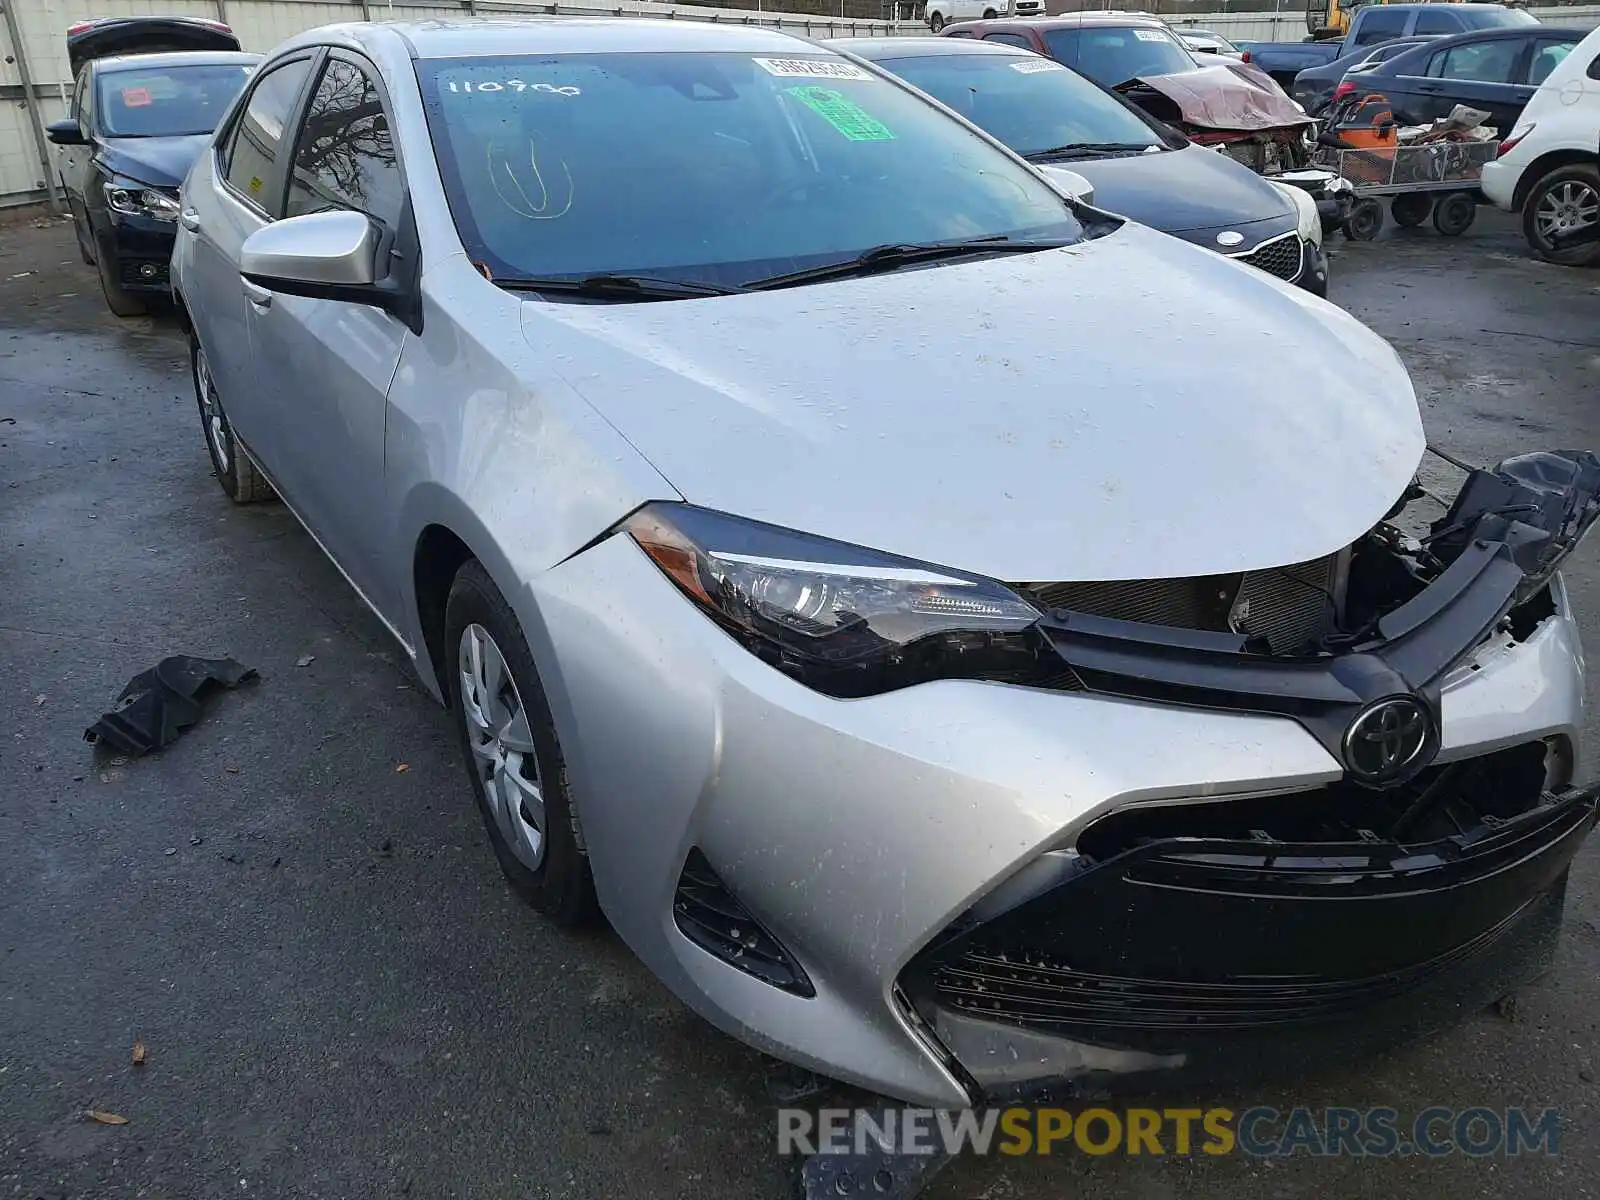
column 1566, row 208
column 211, row 410
column 503, row 754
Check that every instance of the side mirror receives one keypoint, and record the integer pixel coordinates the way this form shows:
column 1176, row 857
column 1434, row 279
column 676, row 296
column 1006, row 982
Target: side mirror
column 1069, row 183
column 336, row 256
column 65, row 133
column 316, row 255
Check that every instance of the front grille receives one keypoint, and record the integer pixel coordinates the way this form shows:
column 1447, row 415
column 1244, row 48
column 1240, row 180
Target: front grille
column 143, row 272
column 1281, row 257
column 712, row 917
column 1289, row 607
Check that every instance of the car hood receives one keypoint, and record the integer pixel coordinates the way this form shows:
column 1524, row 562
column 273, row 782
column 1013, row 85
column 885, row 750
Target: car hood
column 1103, row 411
column 1232, row 96
column 1179, row 190
column 158, row 161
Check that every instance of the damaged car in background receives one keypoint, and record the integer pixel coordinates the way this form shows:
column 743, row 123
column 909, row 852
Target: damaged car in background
column 1230, row 106
column 964, row 719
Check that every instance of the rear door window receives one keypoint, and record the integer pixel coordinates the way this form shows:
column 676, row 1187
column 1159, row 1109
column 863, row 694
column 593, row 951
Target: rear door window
column 257, row 138
column 1009, row 39
column 1375, row 25
column 1547, row 56
column 1479, row 62
column 1441, row 20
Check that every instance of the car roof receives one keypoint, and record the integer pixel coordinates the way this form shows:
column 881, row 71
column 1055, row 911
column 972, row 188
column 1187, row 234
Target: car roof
column 1398, row 64
column 173, row 58
column 875, row 48
column 486, row 37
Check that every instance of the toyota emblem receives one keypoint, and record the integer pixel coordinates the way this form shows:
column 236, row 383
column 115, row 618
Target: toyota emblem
column 1229, row 238
column 1389, row 741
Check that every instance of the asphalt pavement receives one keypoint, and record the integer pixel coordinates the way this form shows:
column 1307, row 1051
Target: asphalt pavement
column 294, row 908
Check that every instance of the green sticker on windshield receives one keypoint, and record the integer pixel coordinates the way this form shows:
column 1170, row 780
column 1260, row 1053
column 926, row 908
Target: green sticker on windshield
column 844, row 114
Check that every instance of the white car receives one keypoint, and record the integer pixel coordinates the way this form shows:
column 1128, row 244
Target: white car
column 1203, row 41
column 1549, row 165
column 940, row 13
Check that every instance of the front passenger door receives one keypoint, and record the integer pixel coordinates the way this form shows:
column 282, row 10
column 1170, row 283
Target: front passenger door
column 325, row 365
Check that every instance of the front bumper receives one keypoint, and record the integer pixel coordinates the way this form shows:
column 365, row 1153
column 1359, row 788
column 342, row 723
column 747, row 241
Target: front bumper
column 861, row 833
column 139, row 251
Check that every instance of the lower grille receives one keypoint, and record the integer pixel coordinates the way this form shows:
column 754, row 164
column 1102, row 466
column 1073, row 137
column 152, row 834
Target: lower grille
column 1280, row 257
column 143, row 273
column 1041, row 995
column 712, row 917
column 1289, row 607
column 1269, row 910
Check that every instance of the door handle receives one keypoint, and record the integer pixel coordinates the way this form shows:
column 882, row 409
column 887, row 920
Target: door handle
column 1432, row 89
column 189, row 218
column 259, row 296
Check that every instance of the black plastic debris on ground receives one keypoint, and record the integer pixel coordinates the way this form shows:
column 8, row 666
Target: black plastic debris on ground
column 159, row 704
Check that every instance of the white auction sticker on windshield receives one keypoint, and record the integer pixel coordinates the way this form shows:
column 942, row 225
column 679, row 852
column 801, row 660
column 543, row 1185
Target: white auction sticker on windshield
column 1033, row 65
column 1149, row 35
column 811, row 68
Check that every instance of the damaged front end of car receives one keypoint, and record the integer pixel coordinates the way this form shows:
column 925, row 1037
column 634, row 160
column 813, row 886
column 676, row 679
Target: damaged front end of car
column 1236, row 108
column 1198, row 934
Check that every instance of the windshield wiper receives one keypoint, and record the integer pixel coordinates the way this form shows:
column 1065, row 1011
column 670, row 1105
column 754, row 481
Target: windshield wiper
column 888, row 258
column 1089, row 150
column 620, row 287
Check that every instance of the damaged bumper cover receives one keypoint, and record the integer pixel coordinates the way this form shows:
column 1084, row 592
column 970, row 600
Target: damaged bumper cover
column 889, row 864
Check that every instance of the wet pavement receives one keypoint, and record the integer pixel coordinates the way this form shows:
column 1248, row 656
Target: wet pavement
column 294, row 908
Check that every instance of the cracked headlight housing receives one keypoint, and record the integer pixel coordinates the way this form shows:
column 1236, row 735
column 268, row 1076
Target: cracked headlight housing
column 842, row 619
column 138, row 201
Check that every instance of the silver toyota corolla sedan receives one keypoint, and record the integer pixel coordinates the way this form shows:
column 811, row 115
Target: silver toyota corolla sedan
column 837, row 571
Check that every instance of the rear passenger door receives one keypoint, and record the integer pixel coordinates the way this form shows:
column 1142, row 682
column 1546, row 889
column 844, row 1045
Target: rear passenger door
column 1488, row 74
column 240, row 190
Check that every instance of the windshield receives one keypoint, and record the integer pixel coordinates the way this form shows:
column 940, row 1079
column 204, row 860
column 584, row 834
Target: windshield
column 1031, row 104
column 1113, row 54
column 167, row 101
column 711, row 168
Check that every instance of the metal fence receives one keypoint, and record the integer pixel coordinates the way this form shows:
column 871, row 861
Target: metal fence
column 35, row 81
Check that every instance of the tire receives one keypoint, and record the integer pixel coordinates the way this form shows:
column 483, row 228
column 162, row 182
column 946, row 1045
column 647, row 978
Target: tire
column 1366, row 218
column 554, row 876
column 1566, row 194
column 238, row 476
column 120, row 301
column 1454, row 214
column 989, row 14
column 1411, row 209
column 936, row 22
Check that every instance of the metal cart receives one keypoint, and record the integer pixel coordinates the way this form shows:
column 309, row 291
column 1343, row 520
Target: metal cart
column 1438, row 178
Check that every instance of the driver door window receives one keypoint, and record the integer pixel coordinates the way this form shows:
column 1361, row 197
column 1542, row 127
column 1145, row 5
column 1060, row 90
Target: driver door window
column 344, row 154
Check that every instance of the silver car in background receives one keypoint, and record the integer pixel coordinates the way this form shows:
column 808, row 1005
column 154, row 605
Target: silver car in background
column 837, row 570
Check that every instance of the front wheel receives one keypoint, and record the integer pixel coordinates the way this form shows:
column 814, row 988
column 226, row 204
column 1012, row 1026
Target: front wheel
column 119, row 300
column 1366, row 218
column 1562, row 206
column 513, row 758
column 936, row 22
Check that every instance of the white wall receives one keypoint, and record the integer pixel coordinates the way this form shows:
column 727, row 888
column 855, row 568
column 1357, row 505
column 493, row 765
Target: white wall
column 262, row 24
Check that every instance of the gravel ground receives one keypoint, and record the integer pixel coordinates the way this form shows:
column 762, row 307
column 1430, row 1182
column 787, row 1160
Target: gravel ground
column 339, row 997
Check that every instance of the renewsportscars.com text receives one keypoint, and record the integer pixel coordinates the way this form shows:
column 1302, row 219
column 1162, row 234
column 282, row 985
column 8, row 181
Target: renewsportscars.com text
column 1261, row 1132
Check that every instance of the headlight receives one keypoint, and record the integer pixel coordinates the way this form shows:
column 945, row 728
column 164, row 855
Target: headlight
column 1308, row 221
column 141, row 202
column 844, row 620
